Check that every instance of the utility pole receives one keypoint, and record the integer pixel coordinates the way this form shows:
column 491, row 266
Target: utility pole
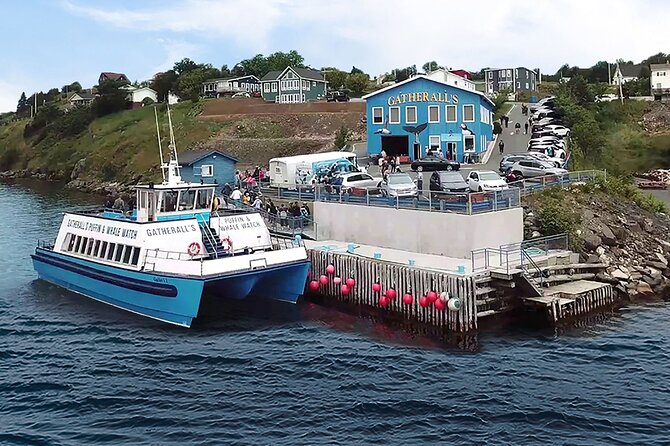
column 609, row 74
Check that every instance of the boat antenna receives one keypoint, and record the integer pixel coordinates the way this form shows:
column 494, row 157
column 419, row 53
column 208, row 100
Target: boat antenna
column 174, row 175
column 160, row 147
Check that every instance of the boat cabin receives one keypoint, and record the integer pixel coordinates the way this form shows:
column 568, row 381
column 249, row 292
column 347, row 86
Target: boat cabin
column 166, row 202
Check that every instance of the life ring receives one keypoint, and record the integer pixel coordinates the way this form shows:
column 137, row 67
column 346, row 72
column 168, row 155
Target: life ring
column 194, row 249
column 227, row 244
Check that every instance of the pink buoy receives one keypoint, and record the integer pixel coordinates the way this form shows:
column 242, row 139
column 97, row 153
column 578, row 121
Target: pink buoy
column 383, row 300
column 323, row 279
column 423, row 301
column 314, row 285
column 439, row 304
column 337, row 280
column 432, row 296
column 330, row 269
column 344, row 290
column 390, row 293
column 351, row 282
column 407, row 299
column 376, row 287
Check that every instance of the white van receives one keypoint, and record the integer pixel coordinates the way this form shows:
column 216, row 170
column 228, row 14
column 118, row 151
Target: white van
column 290, row 171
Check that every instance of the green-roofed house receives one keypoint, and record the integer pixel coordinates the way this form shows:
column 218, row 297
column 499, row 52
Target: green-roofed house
column 293, row 85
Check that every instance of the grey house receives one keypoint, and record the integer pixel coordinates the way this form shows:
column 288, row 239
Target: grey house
column 514, row 79
column 293, row 85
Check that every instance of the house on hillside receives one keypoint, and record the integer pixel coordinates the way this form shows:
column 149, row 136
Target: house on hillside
column 215, row 88
column 109, row 76
column 293, row 85
column 660, row 81
column 462, row 73
column 137, row 96
column 626, row 72
column 208, row 166
column 80, row 99
column 449, row 77
column 421, row 113
column 517, row 80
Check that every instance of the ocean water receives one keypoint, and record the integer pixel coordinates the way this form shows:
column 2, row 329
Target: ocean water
column 77, row 372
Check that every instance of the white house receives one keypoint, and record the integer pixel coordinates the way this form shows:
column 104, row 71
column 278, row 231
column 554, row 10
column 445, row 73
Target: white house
column 137, row 96
column 626, row 72
column 450, row 78
column 80, row 99
column 172, row 98
column 660, row 81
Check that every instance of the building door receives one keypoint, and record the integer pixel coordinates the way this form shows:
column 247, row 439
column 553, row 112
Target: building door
column 451, row 150
column 395, row 145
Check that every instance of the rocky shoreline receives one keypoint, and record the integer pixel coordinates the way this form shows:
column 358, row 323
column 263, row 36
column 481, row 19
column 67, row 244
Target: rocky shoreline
column 629, row 241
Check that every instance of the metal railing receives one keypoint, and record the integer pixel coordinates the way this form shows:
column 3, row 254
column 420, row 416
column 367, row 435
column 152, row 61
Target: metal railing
column 530, row 185
column 512, row 256
column 207, row 232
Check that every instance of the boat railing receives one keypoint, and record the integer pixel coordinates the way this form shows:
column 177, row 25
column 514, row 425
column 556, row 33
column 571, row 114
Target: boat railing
column 207, row 232
column 46, row 244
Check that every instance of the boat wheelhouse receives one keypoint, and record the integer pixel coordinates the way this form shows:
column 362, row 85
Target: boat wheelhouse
column 159, row 259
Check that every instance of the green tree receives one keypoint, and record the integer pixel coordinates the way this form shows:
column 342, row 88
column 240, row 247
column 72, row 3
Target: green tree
column 184, row 66
column 357, row 83
column 260, row 65
column 111, row 98
column 430, row 66
column 341, row 137
column 355, row 70
column 163, row 83
column 23, row 106
column 579, row 90
column 336, row 78
column 189, row 85
column 225, row 71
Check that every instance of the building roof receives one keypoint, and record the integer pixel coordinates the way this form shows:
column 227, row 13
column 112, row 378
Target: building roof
column 421, row 76
column 305, row 73
column 82, row 95
column 510, row 68
column 229, row 78
column 659, row 66
column 192, row 156
column 113, row 76
column 630, row 70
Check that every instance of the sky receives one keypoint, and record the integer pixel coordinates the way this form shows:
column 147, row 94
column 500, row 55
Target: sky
column 50, row 43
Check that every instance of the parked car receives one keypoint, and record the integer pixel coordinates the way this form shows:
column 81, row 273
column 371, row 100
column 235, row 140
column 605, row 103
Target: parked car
column 399, row 185
column 448, row 182
column 337, row 96
column 547, row 140
column 550, row 150
column 535, row 168
column 553, row 160
column 508, row 161
column 558, row 130
column 358, row 180
column 486, row 180
column 241, row 94
column 430, row 163
column 606, row 98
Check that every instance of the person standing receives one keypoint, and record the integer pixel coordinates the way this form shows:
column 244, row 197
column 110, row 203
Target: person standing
column 501, row 146
column 517, row 128
column 506, row 121
column 525, row 128
column 236, row 196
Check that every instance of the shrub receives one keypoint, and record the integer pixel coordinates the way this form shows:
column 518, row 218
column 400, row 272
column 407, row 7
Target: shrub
column 341, row 137
column 8, row 158
column 554, row 218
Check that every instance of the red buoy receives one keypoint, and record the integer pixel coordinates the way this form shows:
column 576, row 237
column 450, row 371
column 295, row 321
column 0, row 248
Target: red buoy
column 323, row 279
column 432, row 296
column 330, row 269
column 351, row 282
column 390, row 293
column 344, row 290
column 337, row 280
column 440, row 305
column 383, row 300
column 376, row 287
column 423, row 301
column 314, row 285
column 407, row 299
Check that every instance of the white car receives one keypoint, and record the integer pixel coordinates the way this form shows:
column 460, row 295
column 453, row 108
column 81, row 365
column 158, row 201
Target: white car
column 485, row 180
column 241, row 94
column 558, row 152
column 535, row 168
column 359, row 180
column 558, row 130
column 555, row 160
column 399, row 185
column 606, row 98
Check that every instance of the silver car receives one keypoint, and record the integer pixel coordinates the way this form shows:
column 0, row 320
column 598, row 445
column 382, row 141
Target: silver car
column 535, row 168
column 399, row 185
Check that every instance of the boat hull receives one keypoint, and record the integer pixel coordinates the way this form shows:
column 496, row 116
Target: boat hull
column 169, row 299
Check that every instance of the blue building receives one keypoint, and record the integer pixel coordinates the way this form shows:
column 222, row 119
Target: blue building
column 420, row 113
column 208, row 166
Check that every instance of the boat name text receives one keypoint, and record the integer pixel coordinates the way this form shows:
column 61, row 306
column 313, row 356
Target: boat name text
column 237, row 223
column 182, row 229
column 103, row 229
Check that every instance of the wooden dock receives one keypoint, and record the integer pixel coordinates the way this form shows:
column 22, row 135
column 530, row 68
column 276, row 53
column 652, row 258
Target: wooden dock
column 571, row 300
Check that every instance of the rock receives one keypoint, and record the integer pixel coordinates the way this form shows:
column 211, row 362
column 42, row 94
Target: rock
column 656, row 265
column 644, row 289
column 648, row 225
column 608, row 236
column 593, row 259
column 620, row 275
column 662, row 258
column 654, row 273
column 78, row 169
column 536, row 234
column 591, row 241
column 600, row 250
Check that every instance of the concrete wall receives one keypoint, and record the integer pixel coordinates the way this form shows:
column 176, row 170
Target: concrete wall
column 451, row 235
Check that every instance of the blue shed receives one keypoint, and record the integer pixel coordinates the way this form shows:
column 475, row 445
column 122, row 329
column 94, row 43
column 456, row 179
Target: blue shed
column 410, row 117
column 208, row 166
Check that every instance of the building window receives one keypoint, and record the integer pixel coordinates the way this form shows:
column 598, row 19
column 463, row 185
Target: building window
column 434, row 142
column 266, row 87
column 491, row 75
column 377, row 115
column 518, row 85
column 469, row 113
column 433, row 113
column 450, row 111
column 509, row 73
column 394, row 115
column 314, row 84
column 526, row 85
column 469, row 143
column 274, row 87
column 516, row 72
column 207, row 170
column 410, row 114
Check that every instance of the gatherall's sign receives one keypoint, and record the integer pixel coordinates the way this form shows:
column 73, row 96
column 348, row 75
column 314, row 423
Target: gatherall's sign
column 423, row 96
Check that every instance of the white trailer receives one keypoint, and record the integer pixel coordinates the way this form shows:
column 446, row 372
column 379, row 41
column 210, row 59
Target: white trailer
column 290, row 171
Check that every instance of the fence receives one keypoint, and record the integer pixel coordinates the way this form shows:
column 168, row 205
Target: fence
column 509, row 257
column 530, row 185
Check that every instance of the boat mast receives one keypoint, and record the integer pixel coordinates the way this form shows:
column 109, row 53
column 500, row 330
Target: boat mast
column 174, row 175
column 160, row 147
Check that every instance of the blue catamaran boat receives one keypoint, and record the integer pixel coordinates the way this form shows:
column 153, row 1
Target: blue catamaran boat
column 159, row 259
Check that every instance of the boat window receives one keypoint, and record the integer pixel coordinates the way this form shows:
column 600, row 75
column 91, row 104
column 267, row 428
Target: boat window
column 169, row 201
column 186, row 200
column 68, row 244
column 82, row 247
column 96, row 250
column 89, row 248
column 119, row 253
column 77, row 244
column 136, row 255
column 204, row 198
column 110, row 253
column 127, row 253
